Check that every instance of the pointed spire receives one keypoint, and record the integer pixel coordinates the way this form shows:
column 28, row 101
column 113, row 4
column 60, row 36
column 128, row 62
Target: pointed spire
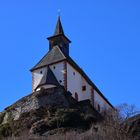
column 59, row 28
column 48, row 78
column 59, row 39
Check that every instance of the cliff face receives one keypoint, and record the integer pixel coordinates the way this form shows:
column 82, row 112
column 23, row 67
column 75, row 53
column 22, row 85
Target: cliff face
column 44, row 111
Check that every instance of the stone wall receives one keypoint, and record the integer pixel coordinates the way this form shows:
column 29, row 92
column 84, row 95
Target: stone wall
column 55, row 97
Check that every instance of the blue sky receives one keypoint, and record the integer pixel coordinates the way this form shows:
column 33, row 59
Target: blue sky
column 105, row 39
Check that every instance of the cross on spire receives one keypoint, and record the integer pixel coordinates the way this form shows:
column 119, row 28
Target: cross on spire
column 59, row 12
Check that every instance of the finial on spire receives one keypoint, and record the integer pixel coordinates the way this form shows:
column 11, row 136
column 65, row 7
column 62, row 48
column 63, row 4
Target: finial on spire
column 59, row 12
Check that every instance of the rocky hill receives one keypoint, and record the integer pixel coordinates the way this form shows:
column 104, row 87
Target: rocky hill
column 42, row 112
column 53, row 114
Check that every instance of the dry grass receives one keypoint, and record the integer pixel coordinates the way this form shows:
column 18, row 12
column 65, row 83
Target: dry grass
column 111, row 128
column 98, row 132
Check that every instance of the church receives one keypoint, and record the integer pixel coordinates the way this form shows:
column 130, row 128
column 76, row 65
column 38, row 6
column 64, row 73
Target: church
column 57, row 68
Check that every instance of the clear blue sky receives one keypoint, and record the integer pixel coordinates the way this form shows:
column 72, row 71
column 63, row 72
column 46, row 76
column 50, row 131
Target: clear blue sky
column 105, row 38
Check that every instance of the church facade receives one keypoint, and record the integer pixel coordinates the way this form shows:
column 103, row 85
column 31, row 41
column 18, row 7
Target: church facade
column 57, row 68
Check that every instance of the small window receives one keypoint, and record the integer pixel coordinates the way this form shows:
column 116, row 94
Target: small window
column 83, row 88
column 53, row 67
column 76, row 96
column 60, row 81
column 73, row 73
column 41, row 72
column 99, row 108
column 92, row 90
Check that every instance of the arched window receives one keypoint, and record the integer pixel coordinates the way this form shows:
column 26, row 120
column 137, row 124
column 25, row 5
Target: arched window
column 76, row 96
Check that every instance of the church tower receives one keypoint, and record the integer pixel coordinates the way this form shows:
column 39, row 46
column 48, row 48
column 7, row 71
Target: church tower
column 59, row 39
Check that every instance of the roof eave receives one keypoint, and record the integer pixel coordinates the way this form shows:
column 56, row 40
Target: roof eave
column 31, row 70
column 58, row 36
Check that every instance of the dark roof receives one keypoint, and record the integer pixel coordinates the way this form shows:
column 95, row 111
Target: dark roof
column 61, row 35
column 59, row 32
column 48, row 78
column 59, row 28
column 54, row 55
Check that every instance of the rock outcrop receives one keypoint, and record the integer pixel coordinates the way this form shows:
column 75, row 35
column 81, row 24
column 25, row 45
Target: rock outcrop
column 45, row 110
column 43, row 98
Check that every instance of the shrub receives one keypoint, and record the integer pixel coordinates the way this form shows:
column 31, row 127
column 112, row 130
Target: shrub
column 66, row 118
column 5, row 130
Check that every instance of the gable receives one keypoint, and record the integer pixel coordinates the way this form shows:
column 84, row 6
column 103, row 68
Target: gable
column 53, row 56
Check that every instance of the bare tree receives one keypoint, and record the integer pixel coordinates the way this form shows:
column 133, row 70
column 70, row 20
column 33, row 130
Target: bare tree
column 126, row 111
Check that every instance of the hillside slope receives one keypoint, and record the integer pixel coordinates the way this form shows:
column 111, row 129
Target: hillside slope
column 46, row 110
column 53, row 114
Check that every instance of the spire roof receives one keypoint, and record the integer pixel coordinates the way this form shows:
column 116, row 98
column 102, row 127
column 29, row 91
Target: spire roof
column 48, row 79
column 59, row 28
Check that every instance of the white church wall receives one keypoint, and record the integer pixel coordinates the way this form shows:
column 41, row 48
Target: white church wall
column 86, row 94
column 58, row 70
column 99, row 102
column 37, row 76
column 75, row 81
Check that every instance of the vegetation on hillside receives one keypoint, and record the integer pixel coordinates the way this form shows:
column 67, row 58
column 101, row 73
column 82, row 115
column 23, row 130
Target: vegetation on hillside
column 70, row 124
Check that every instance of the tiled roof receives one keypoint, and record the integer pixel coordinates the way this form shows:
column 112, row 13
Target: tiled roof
column 54, row 55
